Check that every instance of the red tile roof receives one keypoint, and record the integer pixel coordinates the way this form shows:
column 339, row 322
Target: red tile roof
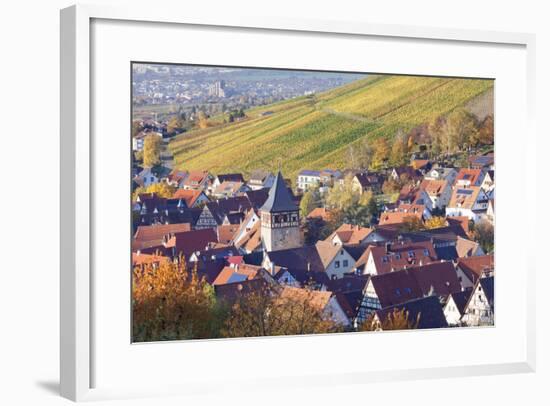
column 319, row 212
column 350, row 234
column 148, row 236
column 189, row 196
column 148, row 259
column 398, row 255
column 472, row 175
column 474, row 267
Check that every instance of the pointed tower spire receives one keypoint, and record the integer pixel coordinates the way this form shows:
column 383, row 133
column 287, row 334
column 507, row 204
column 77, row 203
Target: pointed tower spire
column 279, row 198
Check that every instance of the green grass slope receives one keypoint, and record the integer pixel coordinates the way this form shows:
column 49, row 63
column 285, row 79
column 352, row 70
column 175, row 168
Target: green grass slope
column 315, row 132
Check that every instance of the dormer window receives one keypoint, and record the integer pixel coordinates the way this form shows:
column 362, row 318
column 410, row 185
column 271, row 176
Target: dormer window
column 385, row 259
column 411, row 254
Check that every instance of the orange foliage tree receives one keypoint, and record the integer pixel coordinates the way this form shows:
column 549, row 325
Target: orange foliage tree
column 169, row 303
column 436, row 222
column 412, row 223
column 267, row 313
column 396, row 320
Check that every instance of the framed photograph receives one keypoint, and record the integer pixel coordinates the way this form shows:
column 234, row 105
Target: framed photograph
column 240, row 194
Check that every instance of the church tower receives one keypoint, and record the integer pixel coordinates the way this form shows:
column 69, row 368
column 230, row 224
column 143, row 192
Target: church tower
column 280, row 219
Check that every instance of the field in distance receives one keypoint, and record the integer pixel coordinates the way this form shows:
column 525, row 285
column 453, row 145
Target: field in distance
column 315, row 131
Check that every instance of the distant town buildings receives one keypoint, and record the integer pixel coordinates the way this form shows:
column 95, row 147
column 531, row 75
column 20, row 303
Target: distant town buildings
column 217, row 89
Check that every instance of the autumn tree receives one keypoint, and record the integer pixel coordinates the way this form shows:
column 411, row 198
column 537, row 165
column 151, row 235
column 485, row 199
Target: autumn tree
column 342, row 194
column 361, row 213
column 335, row 218
column 395, row 320
column 359, row 155
column 202, row 119
column 168, row 303
column 459, row 130
column 412, row 223
column 151, row 150
column 410, row 142
column 176, row 124
column 354, row 205
column 162, row 189
column 381, row 153
column 486, row 131
column 310, row 200
column 392, row 185
column 268, row 312
column 484, row 234
column 399, row 151
column 435, row 222
column 136, row 127
column 435, row 129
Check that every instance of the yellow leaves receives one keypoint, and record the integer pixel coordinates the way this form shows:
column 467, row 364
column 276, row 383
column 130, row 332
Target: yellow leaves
column 161, row 189
column 381, row 152
column 435, row 222
column 395, row 320
column 170, row 305
column 412, row 223
column 151, row 150
column 268, row 313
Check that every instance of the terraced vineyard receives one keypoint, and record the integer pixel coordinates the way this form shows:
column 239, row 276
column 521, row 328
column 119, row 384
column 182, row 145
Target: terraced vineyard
column 314, row 132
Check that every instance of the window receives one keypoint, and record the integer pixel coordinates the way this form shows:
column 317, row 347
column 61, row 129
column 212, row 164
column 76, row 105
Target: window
column 398, row 256
column 426, row 252
column 385, row 259
column 337, row 264
column 411, row 254
column 342, row 252
column 346, row 263
column 397, row 292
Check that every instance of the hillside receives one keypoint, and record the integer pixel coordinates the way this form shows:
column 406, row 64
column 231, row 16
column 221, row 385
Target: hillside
column 314, row 132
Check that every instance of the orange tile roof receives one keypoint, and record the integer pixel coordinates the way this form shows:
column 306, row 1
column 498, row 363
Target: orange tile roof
column 189, row 196
column 465, row 197
column 196, row 177
column 315, row 298
column 226, row 232
column 466, row 174
column 398, row 257
column 433, row 187
column 228, row 186
column 419, row 163
column 319, row 212
column 252, row 238
column 465, row 247
column 475, row 266
column 463, row 221
column 148, row 259
column 397, row 217
column 250, row 272
column 147, row 236
column 350, row 234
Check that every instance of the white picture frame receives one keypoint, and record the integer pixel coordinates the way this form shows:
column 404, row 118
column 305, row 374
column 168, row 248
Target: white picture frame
column 77, row 324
